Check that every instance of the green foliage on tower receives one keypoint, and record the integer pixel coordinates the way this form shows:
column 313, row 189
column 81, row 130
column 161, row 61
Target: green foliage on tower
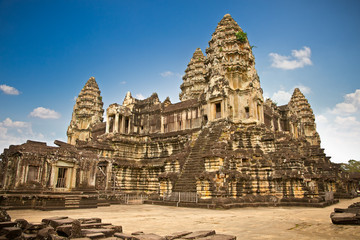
column 241, row 36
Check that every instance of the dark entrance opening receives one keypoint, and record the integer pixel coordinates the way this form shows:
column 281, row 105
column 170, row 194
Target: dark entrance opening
column 218, row 110
column 61, row 181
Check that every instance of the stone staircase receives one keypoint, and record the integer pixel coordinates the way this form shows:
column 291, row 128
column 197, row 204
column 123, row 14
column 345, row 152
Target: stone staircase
column 72, row 201
column 194, row 164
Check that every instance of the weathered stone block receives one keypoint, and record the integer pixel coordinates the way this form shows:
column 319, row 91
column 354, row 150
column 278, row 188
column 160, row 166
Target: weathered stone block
column 124, row 236
column 58, row 222
column 89, row 220
column 218, row 237
column 34, row 227
column 7, row 224
column 22, row 223
column 149, row 236
column 345, row 218
column 4, row 216
column 29, row 236
column 11, row 232
column 64, row 230
column 45, row 233
column 106, row 232
column 95, row 235
column 47, row 220
column 177, row 235
column 200, row 234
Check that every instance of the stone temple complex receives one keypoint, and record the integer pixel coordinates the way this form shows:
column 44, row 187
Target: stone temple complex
column 221, row 142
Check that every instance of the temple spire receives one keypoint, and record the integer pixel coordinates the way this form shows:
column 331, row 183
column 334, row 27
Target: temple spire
column 88, row 110
column 231, row 75
column 194, row 79
column 300, row 106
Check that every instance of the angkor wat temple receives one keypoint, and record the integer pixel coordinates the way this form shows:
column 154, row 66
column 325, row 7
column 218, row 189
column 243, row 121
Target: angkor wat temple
column 221, row 141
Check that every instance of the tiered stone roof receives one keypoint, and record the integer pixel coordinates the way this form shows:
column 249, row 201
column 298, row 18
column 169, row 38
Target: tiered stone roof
column 228, row 56
column 194, row 78
column 300, row 106
column 88, row 110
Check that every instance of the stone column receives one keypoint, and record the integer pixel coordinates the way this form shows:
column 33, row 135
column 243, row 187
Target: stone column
column 107, row 124
column 129, row 124
column 53, row 176
column 162, row 124
column 108, row 175
column 122, row 124
column 279, row 125
column 116, row 129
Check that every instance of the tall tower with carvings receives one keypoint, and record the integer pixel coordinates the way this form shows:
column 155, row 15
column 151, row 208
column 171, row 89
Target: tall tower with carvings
column 194, row 78
column 234, row 88
column 88, row 110
column 225, row 80
column 300, row 106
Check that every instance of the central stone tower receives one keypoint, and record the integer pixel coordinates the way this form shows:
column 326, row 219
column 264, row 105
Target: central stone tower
column 227, row 77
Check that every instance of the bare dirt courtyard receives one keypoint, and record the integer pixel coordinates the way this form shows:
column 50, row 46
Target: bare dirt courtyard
column 245, row 223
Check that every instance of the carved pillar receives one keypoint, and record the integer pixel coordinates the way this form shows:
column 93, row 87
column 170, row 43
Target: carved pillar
column 113, row 123
column 279, row 124
column 162, row 124
column 129, row 124
column 122, row 124
column 116, row 129
column 107, row 124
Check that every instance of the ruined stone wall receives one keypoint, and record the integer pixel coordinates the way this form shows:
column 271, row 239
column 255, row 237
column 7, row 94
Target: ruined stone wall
column 136, row 163
column 36, row 166
column 253, row 160
column 134, row 179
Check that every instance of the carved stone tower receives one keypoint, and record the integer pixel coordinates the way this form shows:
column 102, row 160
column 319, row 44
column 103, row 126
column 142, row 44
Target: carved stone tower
column 88, row 110
column 194, row 78
column 233, row 90
column 300, row 106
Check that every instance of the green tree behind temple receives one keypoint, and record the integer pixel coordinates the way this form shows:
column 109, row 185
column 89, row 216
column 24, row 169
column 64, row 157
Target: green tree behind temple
column 351, row 166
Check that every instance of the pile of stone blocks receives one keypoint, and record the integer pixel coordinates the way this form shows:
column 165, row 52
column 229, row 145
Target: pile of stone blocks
column 56, row 228
column 348, row 216
column 61, row 228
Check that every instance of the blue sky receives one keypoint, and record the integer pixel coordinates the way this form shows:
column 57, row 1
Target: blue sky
column 49, row 49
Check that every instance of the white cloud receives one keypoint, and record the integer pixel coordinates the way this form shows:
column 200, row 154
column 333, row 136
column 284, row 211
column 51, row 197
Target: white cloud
column 321, row 119
column 340, row 133
column 18, row 124
column 9, row 90
column 340, row 137
column 45, row 113
column 281, row 97
column 123, row 82
column 298, row 59
column 347, row 122
column 350, row 105
column 139, row 96
column 167, row 74
column 16, row 132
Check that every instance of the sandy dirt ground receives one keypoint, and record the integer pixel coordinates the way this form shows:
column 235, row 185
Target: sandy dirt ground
column 245, row 223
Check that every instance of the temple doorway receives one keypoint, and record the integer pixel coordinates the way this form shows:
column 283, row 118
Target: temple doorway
column 61, row 180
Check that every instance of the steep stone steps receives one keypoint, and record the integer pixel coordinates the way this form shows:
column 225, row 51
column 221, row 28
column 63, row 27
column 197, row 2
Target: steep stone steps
column 194, row 164
column 72, row 201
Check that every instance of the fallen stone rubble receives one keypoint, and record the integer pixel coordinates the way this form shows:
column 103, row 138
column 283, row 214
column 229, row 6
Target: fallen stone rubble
column 61, row 228
column 348, row 216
